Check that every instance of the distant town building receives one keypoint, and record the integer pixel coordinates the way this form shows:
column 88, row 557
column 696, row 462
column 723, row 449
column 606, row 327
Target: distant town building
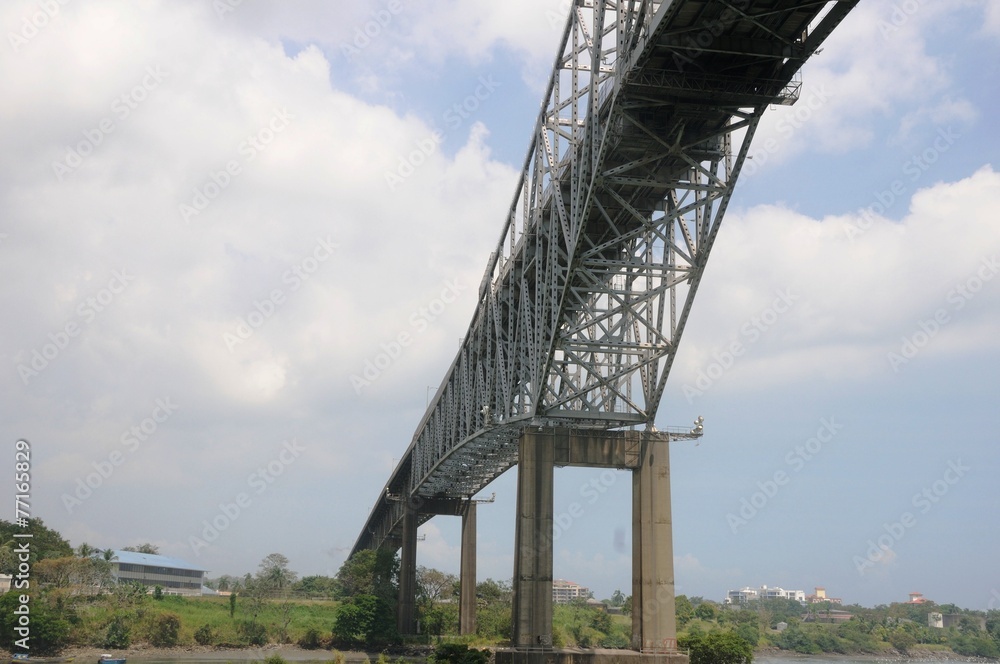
column 564, row 591
column 935, row 619
column 918, row 598
column 820, row 596
column 831, row 616
column 748, row 594
column 175, row 576
column 5, row 582
column 955, row 620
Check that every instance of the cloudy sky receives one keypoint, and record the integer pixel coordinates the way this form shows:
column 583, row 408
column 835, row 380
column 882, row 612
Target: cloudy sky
column 214, row 214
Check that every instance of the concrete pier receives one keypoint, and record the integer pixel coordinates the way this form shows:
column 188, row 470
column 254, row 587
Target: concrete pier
column 531, row 620
column 654, row 630
column 654, row 625
column 467, row 572
column 406, row 616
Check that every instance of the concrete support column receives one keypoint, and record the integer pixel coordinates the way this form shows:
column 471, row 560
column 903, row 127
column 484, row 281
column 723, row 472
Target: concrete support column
column 406, row 616
column 532, row 611
column 654, row 624
column 467, row 572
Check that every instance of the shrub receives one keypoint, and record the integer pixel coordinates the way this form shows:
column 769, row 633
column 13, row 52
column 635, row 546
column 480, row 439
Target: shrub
column 252, row 634
column 118, row 634
column 48, row 632
column 718, row 648
column 204, row 636
column 459, row 653
column 616, row 641
column 166, row 629
column 275, row 659
column 310, row 640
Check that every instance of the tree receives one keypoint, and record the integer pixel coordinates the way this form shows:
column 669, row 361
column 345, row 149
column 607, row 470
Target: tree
column 365, row 619
column 144, row 548
column 316, row 586
column 683, row 610
column 273, row 573
column 617, row 598
column 493, row 611
column 705, row 611
column 49, row 632
column 369, row 572
column 718, row 648
column 434, row 585
column 45, row 543
column 902, row 640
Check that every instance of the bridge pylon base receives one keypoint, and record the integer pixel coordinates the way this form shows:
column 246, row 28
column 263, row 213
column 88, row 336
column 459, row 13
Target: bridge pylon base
column 597, row 656
column 654, row 630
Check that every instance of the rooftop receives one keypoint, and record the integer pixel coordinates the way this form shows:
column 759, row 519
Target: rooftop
column 152, row 560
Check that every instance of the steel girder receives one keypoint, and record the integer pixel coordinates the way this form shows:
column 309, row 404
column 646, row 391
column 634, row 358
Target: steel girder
column 630, row 169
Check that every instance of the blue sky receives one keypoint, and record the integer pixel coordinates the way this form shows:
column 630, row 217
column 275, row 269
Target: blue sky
column 202, row 242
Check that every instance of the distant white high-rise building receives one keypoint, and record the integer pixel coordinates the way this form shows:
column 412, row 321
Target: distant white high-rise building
column 564, row 591
column 747, row 594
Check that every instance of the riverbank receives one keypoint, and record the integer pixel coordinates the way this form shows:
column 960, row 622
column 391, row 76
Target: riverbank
column 292, row 653
column 888, row 657
column 150, row 655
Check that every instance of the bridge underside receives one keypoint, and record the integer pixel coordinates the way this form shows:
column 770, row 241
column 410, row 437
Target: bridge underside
column 645, row 125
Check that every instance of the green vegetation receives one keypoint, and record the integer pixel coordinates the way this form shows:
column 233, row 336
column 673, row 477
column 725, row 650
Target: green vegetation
column 579, row 625
column 812, row 629
column 459, row 653
column 717, row 648
column 75, row 601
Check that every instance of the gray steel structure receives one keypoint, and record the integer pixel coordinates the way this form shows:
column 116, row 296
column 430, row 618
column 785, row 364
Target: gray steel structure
column 646, row 121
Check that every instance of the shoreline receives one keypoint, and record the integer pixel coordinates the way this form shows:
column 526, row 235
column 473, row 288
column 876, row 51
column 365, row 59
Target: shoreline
column 294, row 653
column 144, row 653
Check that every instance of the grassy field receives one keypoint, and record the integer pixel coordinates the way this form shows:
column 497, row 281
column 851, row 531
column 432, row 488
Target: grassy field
column 285, row 621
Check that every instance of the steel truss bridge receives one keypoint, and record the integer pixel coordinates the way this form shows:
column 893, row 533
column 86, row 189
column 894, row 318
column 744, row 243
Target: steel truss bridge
column 645, row 124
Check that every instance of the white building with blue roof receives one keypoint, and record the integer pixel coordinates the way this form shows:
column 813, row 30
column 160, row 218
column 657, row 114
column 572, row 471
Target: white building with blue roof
column 175, row 576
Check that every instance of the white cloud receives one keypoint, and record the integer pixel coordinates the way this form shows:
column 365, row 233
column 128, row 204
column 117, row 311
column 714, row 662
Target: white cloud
column 317, row 174
column 873, row 64
column 858, row 283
